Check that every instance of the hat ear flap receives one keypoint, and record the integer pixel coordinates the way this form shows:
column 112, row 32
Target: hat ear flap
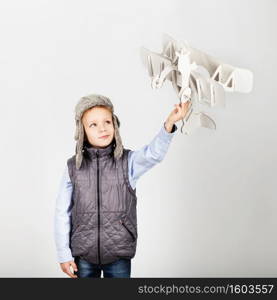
column 79, row 136
column 118, row 151
column 76, row 136
column 117, row 120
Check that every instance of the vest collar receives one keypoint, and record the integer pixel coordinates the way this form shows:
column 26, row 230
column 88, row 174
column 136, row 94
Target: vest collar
column 92, row 152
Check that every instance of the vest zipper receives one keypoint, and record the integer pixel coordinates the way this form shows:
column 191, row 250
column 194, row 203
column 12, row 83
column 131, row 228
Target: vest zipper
column 98, row 204
column 130, row 232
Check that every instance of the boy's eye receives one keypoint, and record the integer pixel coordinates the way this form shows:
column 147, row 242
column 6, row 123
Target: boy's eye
column 108, row 122
column 92, row 124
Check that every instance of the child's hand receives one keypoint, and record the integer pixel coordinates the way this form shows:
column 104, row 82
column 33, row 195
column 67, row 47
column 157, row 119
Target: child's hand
column 177, row 114
column 66, row 268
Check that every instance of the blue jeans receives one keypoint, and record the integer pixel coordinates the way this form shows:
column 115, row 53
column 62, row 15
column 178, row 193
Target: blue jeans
column 118, row 269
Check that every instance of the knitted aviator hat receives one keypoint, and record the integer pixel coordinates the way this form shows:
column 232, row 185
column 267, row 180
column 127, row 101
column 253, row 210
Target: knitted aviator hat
column 84, row 104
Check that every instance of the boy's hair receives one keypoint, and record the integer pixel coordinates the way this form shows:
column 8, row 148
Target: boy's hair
column 84, row 104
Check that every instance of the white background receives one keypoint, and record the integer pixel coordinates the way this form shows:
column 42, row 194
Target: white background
column 209, row 208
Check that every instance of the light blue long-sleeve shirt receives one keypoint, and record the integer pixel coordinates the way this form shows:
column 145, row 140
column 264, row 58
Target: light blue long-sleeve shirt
column 139, row 162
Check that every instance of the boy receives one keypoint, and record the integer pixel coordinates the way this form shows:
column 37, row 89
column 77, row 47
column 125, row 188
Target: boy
column 95, row 217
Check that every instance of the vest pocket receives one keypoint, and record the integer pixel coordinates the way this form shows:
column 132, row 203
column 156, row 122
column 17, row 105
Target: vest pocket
column 128, row 230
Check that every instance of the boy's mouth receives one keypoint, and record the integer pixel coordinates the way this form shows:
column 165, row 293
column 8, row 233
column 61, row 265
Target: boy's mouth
column 104, row 136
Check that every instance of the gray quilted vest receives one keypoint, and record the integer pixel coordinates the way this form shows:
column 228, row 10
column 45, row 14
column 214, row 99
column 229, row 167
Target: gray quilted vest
column 104, row 218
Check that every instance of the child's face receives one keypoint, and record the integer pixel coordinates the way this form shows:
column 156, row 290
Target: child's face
column 98, row 122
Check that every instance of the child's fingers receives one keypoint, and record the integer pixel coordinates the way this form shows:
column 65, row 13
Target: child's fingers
column 69, row 273
column 66, row 269
column 183, row 106
column 74, row 266
column 187, row 105
column 178, row 109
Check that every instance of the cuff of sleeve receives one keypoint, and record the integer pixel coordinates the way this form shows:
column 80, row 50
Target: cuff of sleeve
column 65, row 256
column 167, row 136
column 174, row 128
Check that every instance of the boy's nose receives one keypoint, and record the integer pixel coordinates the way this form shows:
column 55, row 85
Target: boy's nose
column 102, row 128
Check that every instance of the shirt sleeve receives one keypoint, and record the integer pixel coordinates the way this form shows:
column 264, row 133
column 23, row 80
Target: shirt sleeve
column 140, row 161
column 62, row 219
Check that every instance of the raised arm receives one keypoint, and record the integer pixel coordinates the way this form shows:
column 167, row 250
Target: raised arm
column 142, row 160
